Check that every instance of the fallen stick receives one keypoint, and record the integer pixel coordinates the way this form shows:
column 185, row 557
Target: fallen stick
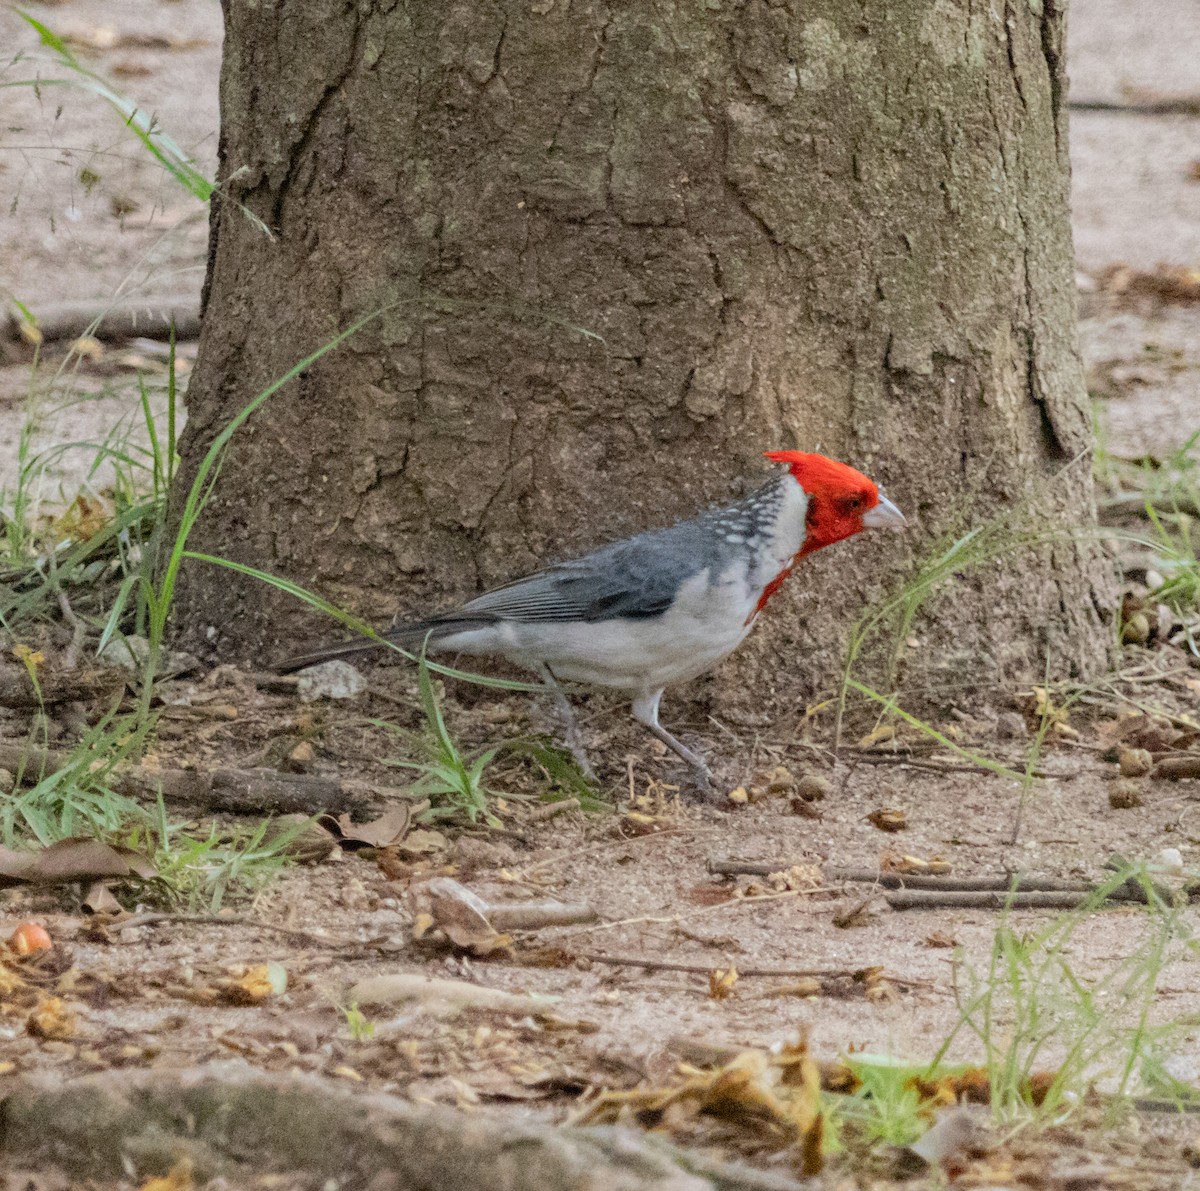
column 703, row 969
column 928, row 899
column 1168, row 105
column 1135, row 504
column 932, row 764
column 153, row 917
column 1132, row 890
column 552, row 809
column 150, row 318
column 532, row 915
column 232, row 791
column 730, row 903
column 18, row 690
column 1178, row 768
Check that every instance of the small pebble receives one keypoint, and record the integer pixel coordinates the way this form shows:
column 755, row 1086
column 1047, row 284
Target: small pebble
column 1011, row 726
column 1169, row 860
column 301, row 758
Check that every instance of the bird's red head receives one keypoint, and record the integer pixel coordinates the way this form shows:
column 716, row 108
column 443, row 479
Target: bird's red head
column 841, row 500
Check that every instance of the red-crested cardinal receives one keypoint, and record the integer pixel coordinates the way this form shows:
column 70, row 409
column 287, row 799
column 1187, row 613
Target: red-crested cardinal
column 661, row 607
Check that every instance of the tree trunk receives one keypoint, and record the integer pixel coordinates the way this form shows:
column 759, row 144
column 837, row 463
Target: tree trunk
column 623, row 249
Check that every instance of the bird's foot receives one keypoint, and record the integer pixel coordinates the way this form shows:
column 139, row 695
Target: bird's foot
column 571, row 737
column 579, row 754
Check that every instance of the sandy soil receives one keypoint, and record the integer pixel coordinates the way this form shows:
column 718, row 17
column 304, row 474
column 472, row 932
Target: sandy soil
column 88, row 216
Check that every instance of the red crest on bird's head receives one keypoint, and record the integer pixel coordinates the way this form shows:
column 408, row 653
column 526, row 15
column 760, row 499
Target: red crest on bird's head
column 839, row 497
column 819, row 473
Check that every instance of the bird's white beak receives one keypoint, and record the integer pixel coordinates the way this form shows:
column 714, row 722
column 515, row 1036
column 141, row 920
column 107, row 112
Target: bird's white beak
column 884, row 515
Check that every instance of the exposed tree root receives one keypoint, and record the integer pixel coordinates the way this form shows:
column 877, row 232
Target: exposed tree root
column 233, row 1122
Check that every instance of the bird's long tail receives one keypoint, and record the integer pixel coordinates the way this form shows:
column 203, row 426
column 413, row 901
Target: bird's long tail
column 408, row 636
column 328, row 654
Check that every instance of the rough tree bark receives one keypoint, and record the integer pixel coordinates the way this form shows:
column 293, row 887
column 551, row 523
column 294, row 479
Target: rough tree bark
column 817, row 225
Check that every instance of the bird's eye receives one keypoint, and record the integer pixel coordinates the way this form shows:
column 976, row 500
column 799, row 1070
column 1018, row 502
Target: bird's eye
column 854, row 504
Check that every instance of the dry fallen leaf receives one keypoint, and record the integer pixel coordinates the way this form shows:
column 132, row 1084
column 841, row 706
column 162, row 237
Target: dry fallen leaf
column 259, row 984
column 940, row 939
column 882, row 734
column 855, row 916
column 721, row 982
column 178, row 1178
column 442, row 998
column 83, row 518
column 69, row 860
column 889, row 818
column 421, row 843
column 749, row 1092
column 52, row 1019
column 390, row 828
column 32, row 659
column 894, row 862
column 460, row 914
column 638, row 823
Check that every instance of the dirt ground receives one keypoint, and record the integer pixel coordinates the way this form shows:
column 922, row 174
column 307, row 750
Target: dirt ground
column 89, row 216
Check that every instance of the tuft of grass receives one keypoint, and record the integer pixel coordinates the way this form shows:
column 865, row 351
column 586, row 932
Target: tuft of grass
column 359, row 1025
column 453, row 782
column 199, row 873
column 1048, row 1035
column 1031, row 1012
column 76, row 799
column 886, row 1108
column 1167, row 494
column 896, row 613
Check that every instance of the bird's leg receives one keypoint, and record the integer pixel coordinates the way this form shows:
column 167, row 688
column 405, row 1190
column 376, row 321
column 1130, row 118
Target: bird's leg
column 567, row 715
column 645, row 711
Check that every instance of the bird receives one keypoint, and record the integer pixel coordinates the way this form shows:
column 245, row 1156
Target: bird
column 659, row 608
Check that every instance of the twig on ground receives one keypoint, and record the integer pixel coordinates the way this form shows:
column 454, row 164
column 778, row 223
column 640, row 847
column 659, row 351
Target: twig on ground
column 150, row 318
column 234, row 791
column 932, row 764
column 534, row 915
column 930, row 899
column 1176, row 767
column 703, row 969
column 552, row 809
column 70, row 655
column 1166, row 105
column 1001, row 885
column 153, row 917
column 57, row 684
column 669, row 919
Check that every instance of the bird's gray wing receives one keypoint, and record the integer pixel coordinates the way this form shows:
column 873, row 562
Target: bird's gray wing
column 634, row 579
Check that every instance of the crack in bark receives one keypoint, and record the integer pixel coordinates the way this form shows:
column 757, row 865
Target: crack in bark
column 1050, row 25
column 300, row 149
column 1013, row 68
column 593, row 73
